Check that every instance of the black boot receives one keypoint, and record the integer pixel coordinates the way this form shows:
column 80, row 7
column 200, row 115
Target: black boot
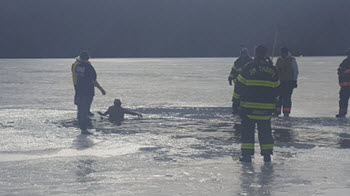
column 85, row 131
column 340, row 116
column 267, row 158
column 342, row 113
column 246, row 158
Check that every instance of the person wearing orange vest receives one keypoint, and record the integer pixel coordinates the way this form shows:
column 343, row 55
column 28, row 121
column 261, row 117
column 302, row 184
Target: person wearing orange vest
column 288, row 72
column 344, row 83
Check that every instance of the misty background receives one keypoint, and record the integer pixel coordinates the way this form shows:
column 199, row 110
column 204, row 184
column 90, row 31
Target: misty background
column 170, row 28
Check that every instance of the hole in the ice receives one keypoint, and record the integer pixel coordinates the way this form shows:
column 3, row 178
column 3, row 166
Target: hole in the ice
column 283, row 135
column 344, row 140
column 150, row 149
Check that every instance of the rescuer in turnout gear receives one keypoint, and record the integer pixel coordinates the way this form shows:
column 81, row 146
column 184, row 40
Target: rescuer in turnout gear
column 344, row 83
column 257, row 90
column 288, row 72
column 243, row 59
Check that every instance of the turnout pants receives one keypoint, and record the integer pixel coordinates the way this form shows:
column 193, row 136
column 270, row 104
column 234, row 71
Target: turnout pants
column 344, row 95
column 84, row 104
column 285, row 98
column 248, row 136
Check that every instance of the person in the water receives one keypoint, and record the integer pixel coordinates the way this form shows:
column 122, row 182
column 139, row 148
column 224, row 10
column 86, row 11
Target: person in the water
column 116, row 112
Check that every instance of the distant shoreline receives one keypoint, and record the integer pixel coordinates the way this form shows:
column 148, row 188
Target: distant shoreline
column 147, row 57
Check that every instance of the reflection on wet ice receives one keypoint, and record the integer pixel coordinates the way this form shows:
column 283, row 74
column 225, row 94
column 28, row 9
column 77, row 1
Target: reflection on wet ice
column 344, row 140
column 85, row 167
column 82, row 142
column 283, row 135
column 257, row 183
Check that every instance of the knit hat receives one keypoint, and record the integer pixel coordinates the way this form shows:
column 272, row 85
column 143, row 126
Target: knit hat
column 84, row 55
column 260, row 51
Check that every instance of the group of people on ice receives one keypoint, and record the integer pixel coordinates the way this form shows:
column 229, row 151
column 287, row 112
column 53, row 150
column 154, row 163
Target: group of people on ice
column 287, row 72
column 84, row 81
column 263, row 90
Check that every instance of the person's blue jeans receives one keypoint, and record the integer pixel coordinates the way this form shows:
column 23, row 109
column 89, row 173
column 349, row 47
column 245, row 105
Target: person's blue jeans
column 84, row 104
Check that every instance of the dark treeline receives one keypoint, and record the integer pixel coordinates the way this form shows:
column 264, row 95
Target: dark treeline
column 170, row 28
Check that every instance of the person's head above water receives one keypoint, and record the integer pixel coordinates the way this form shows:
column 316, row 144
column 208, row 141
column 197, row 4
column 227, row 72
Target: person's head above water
column 84, row 55
column 117, row 102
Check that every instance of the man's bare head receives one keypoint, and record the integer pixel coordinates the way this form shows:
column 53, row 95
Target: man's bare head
column 117, row 102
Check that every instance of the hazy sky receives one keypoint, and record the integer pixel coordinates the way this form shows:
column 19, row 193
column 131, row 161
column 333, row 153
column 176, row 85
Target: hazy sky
column 170, row 28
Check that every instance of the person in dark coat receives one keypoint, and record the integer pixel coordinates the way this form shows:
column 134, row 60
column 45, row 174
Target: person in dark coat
column 237, row 67
column 344, row 83
column 257, row 87
column 85, row 81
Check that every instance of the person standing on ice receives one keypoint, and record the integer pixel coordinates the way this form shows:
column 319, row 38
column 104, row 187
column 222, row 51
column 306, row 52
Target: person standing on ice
column 84, row 79
column 257, row 88
column 243, row 59
column 344, row 83
column 288, row 72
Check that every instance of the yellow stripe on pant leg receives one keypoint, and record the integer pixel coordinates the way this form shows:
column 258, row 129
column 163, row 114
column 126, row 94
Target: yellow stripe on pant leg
column 266, row 146
column 249, row 146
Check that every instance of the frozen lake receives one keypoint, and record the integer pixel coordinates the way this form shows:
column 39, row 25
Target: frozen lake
column 186, row 143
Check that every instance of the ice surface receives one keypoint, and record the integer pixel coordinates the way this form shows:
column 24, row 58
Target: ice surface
column 184, row 145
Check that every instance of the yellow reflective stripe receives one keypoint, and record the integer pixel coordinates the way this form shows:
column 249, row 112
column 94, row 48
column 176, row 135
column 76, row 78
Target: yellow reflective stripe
column 258, row 82
column 236, row 96
column 266, row 146
column 236, row 69
column 247, row 146
column 254, row 117
column 253, row 105
column 74, row 75
column 230, row 76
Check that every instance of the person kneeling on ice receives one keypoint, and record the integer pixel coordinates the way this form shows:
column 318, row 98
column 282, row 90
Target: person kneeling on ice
column 116, row 112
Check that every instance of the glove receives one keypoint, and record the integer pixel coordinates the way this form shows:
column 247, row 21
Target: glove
column 295, row 84
column 236, row 105
column 230, row 82
column 103, row 91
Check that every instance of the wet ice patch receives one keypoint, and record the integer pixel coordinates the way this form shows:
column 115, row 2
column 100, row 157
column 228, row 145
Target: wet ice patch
column 33, row 134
